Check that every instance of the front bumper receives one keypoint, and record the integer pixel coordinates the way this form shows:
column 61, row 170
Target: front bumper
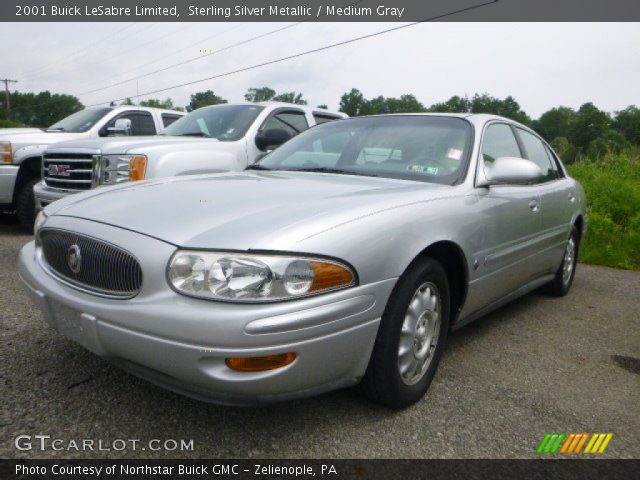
column 8, row 176
column 44, row 195
column 181, row 343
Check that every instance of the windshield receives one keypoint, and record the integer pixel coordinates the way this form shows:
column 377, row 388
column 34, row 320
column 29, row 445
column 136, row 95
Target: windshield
column 424, row 148
column 224, row 122
column 80, row 121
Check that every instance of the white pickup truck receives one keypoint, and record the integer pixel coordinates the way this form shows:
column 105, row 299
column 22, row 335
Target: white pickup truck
column 21, row 149
column 211, row 139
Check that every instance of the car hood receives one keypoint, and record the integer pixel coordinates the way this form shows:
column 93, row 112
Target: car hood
column 37, row 137
column 243, row 210
column 121, row 145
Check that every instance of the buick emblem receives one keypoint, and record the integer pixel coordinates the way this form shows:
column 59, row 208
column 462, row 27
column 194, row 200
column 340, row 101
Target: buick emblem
column 74, row 258
column 59, row 170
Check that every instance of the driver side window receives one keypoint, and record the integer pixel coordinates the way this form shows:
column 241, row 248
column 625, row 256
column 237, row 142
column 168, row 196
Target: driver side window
column 499, row 141
column 291, row 121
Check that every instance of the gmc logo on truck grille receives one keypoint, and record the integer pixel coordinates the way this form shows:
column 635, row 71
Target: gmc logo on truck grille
column 59, row 170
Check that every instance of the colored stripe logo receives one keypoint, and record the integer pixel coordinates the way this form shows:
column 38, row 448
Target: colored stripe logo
column 573, row 443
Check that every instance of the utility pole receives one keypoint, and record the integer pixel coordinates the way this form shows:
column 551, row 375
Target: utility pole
column 6, row 94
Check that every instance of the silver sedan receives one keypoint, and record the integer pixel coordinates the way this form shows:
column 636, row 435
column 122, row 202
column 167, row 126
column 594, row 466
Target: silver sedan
column 344, row 257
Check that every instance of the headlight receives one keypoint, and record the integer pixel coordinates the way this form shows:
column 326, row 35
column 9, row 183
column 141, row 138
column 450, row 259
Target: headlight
column 116, row 169
column 37, row 225
column 7, row 153
column 255, row 278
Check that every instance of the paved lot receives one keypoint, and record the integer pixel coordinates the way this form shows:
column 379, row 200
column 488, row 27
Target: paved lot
column 538, row 365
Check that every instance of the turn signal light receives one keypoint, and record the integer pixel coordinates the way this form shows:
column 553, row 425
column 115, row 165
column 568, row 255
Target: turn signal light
column 137, row 167
column 260, row 364
column 7, row 157
column 327, row 276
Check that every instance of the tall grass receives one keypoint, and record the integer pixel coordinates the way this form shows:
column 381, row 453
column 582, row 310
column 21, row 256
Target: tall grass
column 612, row 187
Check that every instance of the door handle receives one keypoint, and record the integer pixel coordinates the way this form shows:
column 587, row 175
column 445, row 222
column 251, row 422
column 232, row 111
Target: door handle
column 572, row 198
column 534, row 206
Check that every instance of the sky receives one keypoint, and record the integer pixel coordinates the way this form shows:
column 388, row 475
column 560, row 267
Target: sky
column 542, row 65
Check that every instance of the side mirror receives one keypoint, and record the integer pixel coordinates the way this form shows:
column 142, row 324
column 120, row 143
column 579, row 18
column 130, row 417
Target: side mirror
column 121, row 127
column 272, row 138
column 512, row 170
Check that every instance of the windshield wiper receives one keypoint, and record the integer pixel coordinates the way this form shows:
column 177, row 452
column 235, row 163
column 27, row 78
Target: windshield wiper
column 194, row 134
column 329, row 170
column 255, row 166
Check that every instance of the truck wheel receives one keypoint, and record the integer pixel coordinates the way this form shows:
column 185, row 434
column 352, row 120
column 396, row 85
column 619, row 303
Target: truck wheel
column 411, row 337
column 25, row 204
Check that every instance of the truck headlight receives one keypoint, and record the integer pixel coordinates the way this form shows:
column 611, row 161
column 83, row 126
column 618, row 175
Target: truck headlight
column 253, row 278
column 116, row 169
column 7, row 153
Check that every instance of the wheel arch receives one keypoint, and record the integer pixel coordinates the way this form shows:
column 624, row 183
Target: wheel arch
column 30, row 168
column 454, row 262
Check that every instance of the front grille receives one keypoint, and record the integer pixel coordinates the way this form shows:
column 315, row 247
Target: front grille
column 102, row 267
column 71, row 171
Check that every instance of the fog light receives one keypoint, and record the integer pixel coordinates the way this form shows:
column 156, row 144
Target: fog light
column 260, row 364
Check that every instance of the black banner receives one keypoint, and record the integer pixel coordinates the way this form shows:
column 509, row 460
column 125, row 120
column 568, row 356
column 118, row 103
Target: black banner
column 319, row 10
column 320, row 469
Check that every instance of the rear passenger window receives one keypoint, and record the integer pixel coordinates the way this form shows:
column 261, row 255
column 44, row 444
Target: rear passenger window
column 168, row 119
column 499, row 141
column 537, row 153
column 292, row 122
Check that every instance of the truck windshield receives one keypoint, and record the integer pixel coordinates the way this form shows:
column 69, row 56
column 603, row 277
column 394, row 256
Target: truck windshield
column 80, row 121
column 224, row 122
column 412, row 147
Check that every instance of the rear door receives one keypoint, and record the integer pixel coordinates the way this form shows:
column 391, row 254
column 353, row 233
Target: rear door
column 557, row 200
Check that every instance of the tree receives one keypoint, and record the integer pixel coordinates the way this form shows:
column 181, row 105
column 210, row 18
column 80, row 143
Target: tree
column 40, row 109
column 203, row 99
column 627, row 122
column 352, row 102
column 290, row 97
column 263, row 94
column 455, row 104
column 156, row 103
column 323, row 107
column 508, row 107
column 126, row 101
column 405, row 104
column 590, row 123
column 556, row 122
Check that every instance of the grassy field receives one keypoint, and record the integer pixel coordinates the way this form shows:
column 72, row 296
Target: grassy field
column 612, row 186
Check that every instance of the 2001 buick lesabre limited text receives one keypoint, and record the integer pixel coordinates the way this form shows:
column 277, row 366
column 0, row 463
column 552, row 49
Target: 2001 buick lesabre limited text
column 343, row 257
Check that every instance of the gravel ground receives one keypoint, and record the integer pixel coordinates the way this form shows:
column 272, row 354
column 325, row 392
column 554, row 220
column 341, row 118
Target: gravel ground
column 538, row 365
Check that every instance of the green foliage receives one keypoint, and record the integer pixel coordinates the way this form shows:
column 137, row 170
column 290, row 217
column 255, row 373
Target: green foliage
column 10, row 124
column 627, row 122
column 612, row 187
column 203, row 99
column 290, row 97
column 455, row 104
column 354, row 104
column 507, row 108
column 590, row 123
column 555, row 123
column 39, row 109
column 126, row 101
column 263, row 94
column 157, row 103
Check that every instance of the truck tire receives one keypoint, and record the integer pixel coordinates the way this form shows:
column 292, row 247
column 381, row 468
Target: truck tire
column 25, row 204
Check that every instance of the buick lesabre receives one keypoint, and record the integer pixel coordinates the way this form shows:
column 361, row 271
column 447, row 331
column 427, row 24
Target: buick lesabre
column 344, row 257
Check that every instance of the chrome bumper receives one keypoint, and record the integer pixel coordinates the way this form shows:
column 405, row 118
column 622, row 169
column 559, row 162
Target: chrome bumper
column 44, row 195
column 8, row 175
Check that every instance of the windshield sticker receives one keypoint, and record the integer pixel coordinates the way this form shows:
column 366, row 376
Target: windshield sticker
column 454, row 154
column 422, row 169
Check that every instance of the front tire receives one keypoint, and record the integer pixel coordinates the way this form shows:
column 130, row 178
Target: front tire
column 25, row 204
column 561, row 284
column 411, row 337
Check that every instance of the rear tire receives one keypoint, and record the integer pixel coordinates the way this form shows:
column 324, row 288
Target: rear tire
column 411, row 337
column 25, row 204
column 561, row 284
